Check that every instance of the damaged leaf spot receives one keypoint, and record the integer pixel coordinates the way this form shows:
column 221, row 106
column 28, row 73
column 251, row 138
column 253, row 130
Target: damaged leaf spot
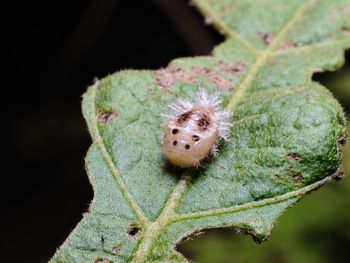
column 340, row 173
column 272, row 61
column 265, row 37
column 168, row 76
column 289, row 44
column 236, row 68
column 115, row 250
column 298, row 179
column 214, row 77
column 341, row 142
column 346, row 31
column 278, row 178
column 102, row 260
column 296, row 176
column 173, row 74
column 134, row 231
column 107, row 117
column 221, row 81
column 227, row 9
column 295, row 157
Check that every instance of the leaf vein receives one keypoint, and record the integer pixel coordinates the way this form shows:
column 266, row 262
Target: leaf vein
column 254, row 204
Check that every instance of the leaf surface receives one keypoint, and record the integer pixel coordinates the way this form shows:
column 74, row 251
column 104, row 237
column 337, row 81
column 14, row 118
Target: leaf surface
column 286, row 138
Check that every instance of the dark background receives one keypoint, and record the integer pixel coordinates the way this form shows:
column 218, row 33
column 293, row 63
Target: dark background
column 50, row 52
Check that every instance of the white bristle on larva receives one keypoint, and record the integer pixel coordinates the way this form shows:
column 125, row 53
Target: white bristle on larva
column 194, row 129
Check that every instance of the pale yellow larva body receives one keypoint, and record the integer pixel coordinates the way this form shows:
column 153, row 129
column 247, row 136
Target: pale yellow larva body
column 193, row 132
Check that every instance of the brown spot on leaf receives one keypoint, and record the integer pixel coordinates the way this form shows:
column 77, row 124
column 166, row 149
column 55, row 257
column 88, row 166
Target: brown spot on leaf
column 172, row 74
column 339, row 12
column 346, row 31
column 201, row 70
column 298, row 178
column 107, row 117
column 278, row 177
column 226, row 9
column 341, row 142
column 134, row 231
column 272, row 61
column 289, row 44
column 102, row 260
column 265, row 37
column 168, row 76
column 237, row 68
column 115, row 250
column 295, row 157
column 221, row 81
column 214, row 77
column 340, row 173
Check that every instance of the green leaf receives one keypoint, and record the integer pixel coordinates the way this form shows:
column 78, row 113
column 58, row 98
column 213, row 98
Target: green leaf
column 286, row 138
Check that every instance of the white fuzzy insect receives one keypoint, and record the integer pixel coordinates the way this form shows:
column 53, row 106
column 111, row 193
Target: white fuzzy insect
column 194, row 130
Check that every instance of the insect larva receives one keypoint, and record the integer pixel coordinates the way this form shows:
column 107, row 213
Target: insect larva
column 194, row 130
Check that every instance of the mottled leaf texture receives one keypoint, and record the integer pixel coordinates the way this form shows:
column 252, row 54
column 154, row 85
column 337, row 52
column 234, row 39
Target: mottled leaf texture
column 286, row 138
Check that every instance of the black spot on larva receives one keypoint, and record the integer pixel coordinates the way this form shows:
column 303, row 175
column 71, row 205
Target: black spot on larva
column 174, row 131
column 134, row 231
column 187, row 146
column 184, row 117
column 195, row 138
column 174, row 143
column 203, row 122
